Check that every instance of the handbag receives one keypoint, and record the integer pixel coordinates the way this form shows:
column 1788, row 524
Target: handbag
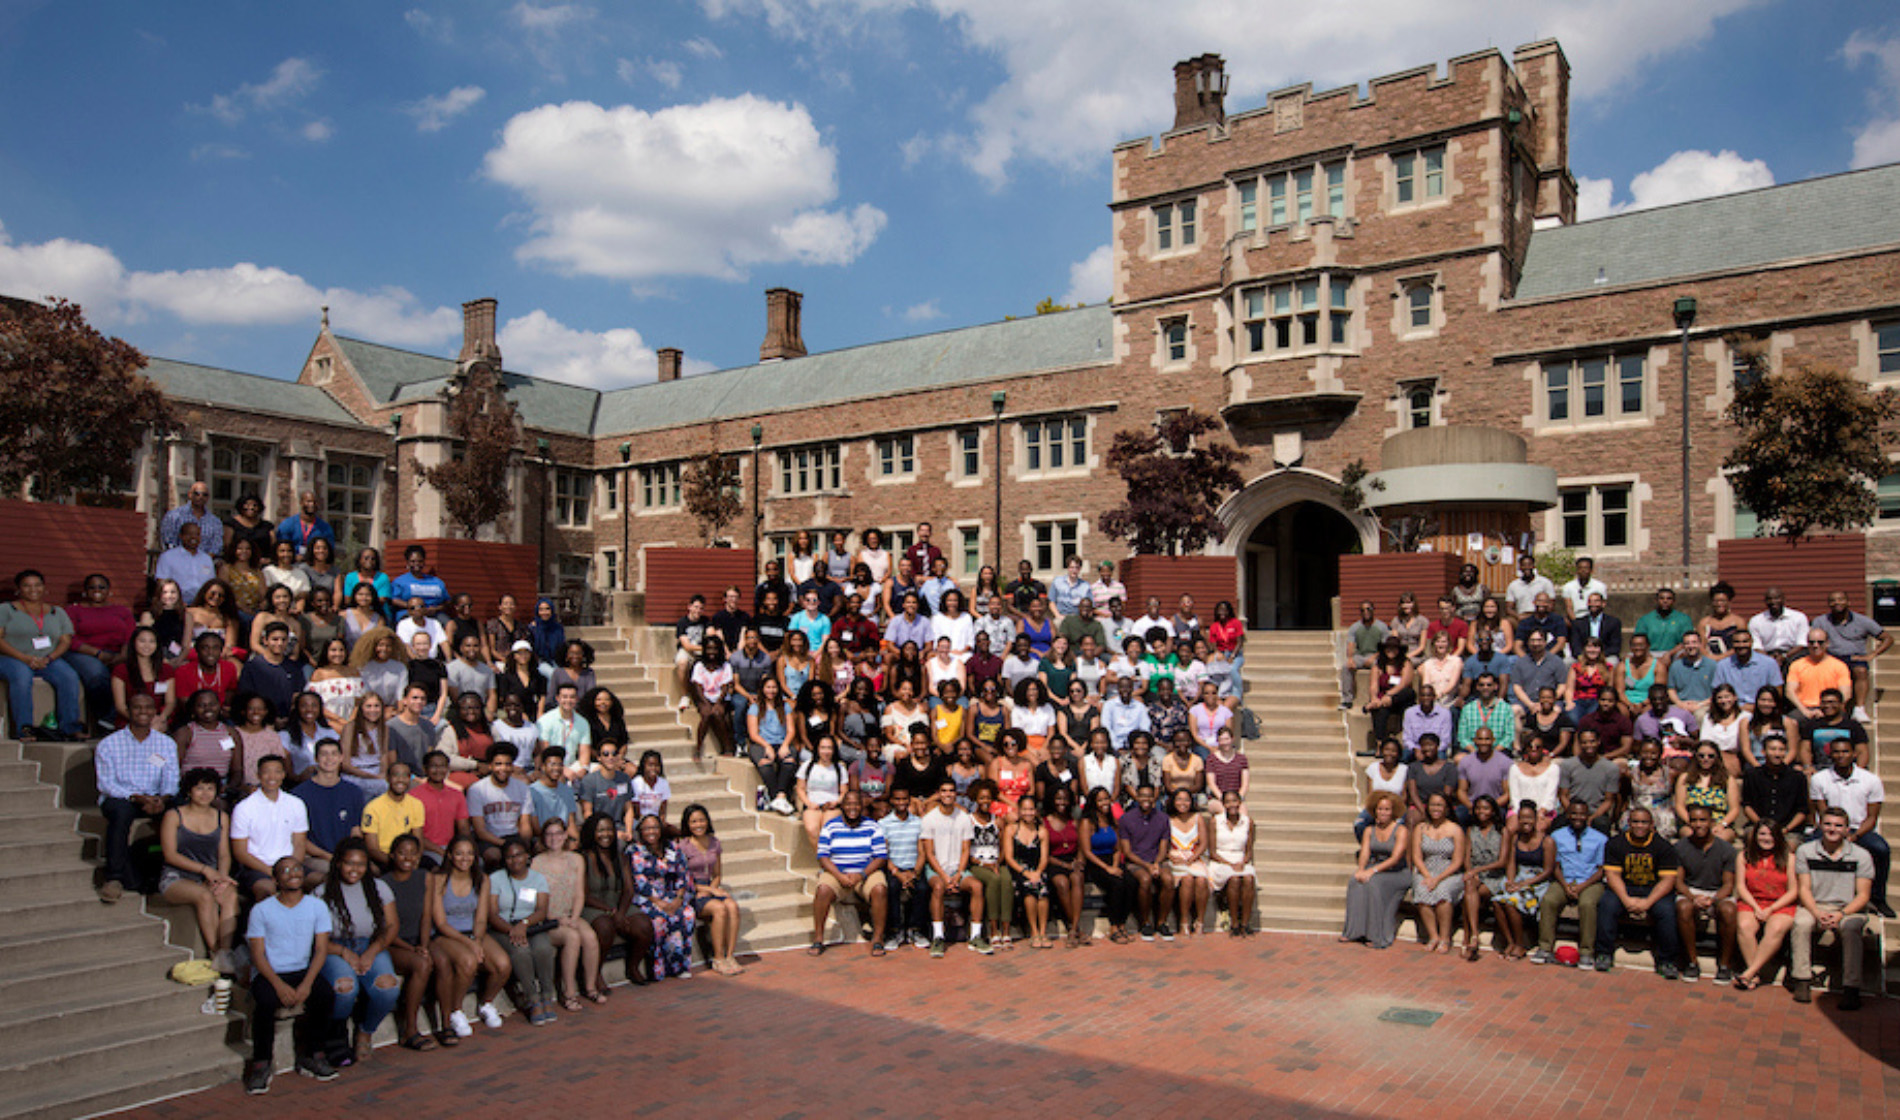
column 548, row 925
column 1249, row 724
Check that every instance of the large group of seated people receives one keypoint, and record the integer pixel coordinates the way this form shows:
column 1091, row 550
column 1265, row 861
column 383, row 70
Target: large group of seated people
column 974, row 756
column 1533, row 758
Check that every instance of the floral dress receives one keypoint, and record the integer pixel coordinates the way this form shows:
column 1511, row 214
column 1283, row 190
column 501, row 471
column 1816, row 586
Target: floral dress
column 656, row 879
column 1653, row 792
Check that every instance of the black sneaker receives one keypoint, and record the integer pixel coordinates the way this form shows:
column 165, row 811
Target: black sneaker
column 1668, row 971
column 1605, row 962
column 257, row 1077
column 1167, row 932
column 1147, row 933
column 317, row 1067
column 1723, row 975
column 1692, row 972
column 1880, row 907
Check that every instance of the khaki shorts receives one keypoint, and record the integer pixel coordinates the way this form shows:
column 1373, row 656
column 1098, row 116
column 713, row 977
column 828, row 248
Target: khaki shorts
column 859, row 895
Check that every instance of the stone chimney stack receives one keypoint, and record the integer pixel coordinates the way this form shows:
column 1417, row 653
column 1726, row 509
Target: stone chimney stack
column 781, row 326
column 478, row 334
column 1545, row 74
column 670, row 362
column 1200, row 91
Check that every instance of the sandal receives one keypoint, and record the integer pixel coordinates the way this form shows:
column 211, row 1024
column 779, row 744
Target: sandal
column 418, row 1042
column 1471, row 953
column 596, row 997
column 877, row 949
column 571, row 1004
column 816, row 949
column 446, row 1039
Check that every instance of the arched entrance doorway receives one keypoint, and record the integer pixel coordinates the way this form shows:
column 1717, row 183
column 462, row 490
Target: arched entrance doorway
column 1290, row 566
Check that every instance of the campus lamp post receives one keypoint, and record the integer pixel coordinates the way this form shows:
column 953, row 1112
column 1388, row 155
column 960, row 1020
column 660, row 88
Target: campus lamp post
column 1685, row 318
column 758, row 436
column 997, row 400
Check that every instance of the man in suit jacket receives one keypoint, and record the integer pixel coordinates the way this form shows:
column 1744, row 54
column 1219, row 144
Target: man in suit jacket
column 1595, row 622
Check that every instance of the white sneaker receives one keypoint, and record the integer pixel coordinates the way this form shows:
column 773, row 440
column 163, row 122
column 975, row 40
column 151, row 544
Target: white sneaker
column 458, row 1023
column 491, row 1018
column 782, row 806
column 683, row 704
column 890, row 944
column 1861, row 716
column 919, row 941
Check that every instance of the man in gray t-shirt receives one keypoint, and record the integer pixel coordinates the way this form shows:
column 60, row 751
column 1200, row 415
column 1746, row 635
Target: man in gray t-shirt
column 1538, row 669
column 1835, row 880
column 1594, row 780
column 1363, row 639
column 1848, row 632
column 1705, row 890
column 496, row 803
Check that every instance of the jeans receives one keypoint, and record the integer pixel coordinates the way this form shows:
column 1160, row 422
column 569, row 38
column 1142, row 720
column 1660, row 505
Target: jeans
column 96, row 680
column 1662, row 916
column 533, row 966
column 121, row 815
column 310, row 1026
column 908, row 907
column 779, row 776
column 66, row 690
column 1876, row 846
column 375, row 1001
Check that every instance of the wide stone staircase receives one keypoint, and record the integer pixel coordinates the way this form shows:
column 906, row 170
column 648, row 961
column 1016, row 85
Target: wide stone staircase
column 1301, row 794
column 1885, row 757
column 774, row 899
column 93, row 1024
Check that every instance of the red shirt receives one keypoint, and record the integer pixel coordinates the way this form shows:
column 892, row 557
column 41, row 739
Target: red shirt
column 441, row 811
column 191, row 677
column 106, row 627
column 1457, row 628
column 1226, row 635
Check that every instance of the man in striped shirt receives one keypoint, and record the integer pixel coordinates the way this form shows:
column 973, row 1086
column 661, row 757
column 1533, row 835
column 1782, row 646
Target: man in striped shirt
column 852, row 853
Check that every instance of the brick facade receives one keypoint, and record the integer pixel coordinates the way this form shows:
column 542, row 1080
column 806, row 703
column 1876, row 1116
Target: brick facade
column 1405, row 297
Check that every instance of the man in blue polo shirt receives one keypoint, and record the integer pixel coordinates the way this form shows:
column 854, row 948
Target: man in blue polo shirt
column 417, row 583
column 852, row 853
column 1579, row 883
column 908, row 892
column 1746, row 671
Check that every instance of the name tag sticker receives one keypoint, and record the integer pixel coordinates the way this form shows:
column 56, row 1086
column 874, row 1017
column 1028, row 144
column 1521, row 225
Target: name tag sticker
column 42, row 642
column 226, row 744
column 529, row 894
column 160, row 688
column 157, row 760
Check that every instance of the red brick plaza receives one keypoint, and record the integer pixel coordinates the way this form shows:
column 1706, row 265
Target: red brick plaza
column 1278, row 1026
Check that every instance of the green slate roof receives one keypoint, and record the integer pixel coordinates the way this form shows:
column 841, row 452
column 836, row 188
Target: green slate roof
column 905, row 365
column 1814, row 217
column 246, row 392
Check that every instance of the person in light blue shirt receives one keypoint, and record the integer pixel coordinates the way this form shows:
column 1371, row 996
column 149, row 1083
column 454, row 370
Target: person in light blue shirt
column 1124, row 714
column 1067, row 590
column 1691, row 675
column 1746, row 671
column 289, row 933
column 937, row 585
column 909, row 626
column 812, row 622
column 1578, row 883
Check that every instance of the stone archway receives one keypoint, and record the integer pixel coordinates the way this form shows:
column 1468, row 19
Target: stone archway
column 1286, row 532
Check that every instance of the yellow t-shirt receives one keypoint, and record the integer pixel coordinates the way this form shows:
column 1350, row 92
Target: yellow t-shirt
column 385, row 818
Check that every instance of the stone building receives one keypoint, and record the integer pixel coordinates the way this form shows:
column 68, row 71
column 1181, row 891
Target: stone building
column 1390, row 275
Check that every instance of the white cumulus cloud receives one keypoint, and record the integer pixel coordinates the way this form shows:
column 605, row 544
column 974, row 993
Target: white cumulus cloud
column 549, row 17
column 317, row 131
column 1683, row 177
column 1092, row 279
column 664, row 71
column 542, row 345
column 289, row 81
column 243, row 294
column 434, row 113
column 701, row 47
column 1878, row 141
column 923, row 312
column 708, row 189
column 1075, row 81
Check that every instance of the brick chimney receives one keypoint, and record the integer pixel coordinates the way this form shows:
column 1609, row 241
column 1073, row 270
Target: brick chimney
column 781, row 326
column 478, row 334
column 1200, row 91
column 670, row 362
column 1545, row 74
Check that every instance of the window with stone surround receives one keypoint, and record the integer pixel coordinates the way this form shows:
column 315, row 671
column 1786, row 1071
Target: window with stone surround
column 349, row 499
column 1887, row 349
column 1293, row 195
column 1597, row 389
column 1249, row 204
column 573, row 491
column 660, row 486
column 1597, row 518
column 1418, row 305
column 969, row 452
column 1174, row 340
column 1055, row 443
column 238, row 467
column 970, row 548
column 897, row 457
column 1174, row 224
column 810, row 470
column 1419, row 176
column 1295, row 317
column 1420, row 403
column 1053, row 543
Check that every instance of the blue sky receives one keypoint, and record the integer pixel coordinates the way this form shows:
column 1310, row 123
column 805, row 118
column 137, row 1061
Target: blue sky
column 627, row 176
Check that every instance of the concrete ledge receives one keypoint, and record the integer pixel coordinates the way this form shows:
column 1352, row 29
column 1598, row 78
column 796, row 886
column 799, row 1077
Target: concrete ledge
column 1516, row 483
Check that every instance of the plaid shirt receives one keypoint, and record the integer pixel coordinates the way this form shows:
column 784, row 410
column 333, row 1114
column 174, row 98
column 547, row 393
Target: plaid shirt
column 127, row 768
column 1502, row 720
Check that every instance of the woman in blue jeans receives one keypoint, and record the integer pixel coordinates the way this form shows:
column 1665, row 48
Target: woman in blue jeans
column 358, row 969
column 34, row 638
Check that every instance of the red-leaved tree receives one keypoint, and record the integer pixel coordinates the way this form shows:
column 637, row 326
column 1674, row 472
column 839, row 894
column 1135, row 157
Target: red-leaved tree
column 1176, row 481
column 77, row 407
column 474, row 485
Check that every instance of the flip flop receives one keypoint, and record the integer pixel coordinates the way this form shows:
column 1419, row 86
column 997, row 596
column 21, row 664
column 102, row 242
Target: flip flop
column 418, row 1042
column 816, row 949
column 877, row 948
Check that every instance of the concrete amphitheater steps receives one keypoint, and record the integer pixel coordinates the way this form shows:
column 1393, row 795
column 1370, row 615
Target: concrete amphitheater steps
column 93, row 1023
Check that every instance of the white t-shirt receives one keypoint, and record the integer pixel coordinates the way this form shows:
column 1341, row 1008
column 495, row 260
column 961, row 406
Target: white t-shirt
column 949, row 834
column 961, row 631
column 408, row 628
column 1853, row 793
column 269, row 825
column 1382, row 784
column 1032, row 721
column 824, row 785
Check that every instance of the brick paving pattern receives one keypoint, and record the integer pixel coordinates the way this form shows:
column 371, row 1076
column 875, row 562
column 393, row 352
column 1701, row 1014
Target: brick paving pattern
column 1279, row 1026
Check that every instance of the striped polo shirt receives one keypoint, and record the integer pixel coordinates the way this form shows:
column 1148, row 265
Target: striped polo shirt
column 900, row 837
column 850, row 849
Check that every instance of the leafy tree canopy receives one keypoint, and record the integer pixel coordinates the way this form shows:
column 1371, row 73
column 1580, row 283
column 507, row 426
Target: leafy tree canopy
column 1175, row 484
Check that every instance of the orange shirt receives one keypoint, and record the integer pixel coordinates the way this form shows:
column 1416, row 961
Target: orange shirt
column 1807, row 680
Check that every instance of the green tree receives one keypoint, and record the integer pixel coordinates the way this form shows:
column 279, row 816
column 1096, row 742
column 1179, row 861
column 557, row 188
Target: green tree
column 1810, row 448
column 1175, row 484
column 710, row 491
column 78, row 408
column 474, row 485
